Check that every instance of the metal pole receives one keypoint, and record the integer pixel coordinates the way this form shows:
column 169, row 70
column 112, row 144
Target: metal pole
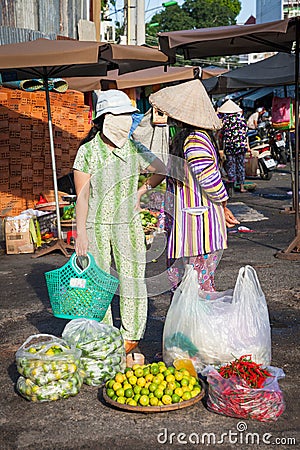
column 297, row 228
column 52, row 156
column 140, row 22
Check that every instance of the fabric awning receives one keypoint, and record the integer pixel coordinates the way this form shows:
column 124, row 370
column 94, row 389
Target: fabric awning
column 249, row 100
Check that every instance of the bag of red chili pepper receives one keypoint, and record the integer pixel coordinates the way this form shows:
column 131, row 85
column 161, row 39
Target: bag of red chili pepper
column 245, row 391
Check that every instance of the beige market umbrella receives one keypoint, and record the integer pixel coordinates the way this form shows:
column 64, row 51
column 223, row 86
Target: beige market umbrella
column 44, row 59
column 145, row 77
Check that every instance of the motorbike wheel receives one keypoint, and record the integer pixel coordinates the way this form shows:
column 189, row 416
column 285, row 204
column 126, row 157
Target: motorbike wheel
column 263, row 174
column 283, row 157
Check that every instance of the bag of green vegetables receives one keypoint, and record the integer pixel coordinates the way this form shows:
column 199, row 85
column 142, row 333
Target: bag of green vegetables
column 102, row 347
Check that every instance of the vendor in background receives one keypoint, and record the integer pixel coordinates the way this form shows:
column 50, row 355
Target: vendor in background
column 254, row 118
column 106, row 173
column 235, row 142
column 193, row 181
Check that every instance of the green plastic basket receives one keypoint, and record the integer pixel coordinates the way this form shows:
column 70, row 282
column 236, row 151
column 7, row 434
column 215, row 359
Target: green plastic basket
column 77, row 292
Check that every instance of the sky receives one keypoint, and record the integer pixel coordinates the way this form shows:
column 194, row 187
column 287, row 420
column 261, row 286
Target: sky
column 248, row 8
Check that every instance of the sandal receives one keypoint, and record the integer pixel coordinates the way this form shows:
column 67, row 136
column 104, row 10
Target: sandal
column 130, row 345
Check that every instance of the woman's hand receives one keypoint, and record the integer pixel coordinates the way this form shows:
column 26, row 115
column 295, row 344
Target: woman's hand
column 81, row 244
column 231, row 221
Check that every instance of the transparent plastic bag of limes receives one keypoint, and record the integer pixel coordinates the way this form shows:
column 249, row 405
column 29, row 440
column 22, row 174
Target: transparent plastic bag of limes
column 102, row 347
column 50, row 368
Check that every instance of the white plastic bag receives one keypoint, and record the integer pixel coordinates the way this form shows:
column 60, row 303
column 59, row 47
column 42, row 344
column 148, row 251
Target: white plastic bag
column 102, row 346
column 217, row 327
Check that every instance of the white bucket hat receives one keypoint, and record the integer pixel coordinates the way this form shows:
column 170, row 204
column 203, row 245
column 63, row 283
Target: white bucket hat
column 114, row 102
column 189, row 103
column 229, row 107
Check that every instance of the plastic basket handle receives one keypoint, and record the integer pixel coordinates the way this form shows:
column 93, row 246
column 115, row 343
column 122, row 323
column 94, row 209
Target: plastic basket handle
column 76, row 267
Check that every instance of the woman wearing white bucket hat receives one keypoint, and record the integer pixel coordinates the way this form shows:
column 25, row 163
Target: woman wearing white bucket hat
column 235, row 142
column 106, row 172
column 194, row 185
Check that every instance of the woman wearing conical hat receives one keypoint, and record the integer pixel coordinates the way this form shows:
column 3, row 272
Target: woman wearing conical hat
column 235, row 142
column 196, row 197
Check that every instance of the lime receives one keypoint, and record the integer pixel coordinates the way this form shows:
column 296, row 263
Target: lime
column 166, row 373
column 149, row 377
column 144, row 400
column 110, row 393
column 184, row 382
column 120, row 392
column 168, row 392
column 166, row 399
column 121, row 400
column 32, row 350
column 170, row 378
column 153, row 387
column 120, row 377
column 144, row 391
column 141, row 381
column 158, row 393
column 132, row 380
column 186, row 395
column 139, row 372
column 126, row 386
column 171, row 369
column 146, row 371
column 114, row 397
column 153, row 401
column 116, row 386
column 137, row 397
column 137, row 389
column 131, row 402
column 154, row 369
column 128, row 393
column 129, row 373
column 179, row 392
column 175, row 398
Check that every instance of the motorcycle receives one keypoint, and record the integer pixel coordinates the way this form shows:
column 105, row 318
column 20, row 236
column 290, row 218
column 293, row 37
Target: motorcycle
column 278, row 146
column 276, row 139
column 258, row 158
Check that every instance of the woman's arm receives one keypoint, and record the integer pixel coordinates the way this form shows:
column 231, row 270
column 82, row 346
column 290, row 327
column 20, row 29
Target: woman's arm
column 82, row 186
column 158, row 168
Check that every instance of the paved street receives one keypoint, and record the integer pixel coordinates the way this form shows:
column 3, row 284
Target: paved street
column 85, row 421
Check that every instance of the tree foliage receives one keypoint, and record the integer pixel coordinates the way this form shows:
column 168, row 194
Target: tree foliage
column 195, row 14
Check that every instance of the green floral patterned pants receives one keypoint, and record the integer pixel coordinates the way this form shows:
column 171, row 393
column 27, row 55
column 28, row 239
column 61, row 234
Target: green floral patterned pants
column 126, row 242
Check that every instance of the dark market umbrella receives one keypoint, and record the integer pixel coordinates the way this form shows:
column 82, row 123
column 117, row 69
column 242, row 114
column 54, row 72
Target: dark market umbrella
column 277, row 36
column 277, row 70
column 44, row 59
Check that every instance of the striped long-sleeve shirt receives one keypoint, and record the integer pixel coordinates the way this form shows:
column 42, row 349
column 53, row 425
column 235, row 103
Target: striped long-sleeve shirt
column 190, row 234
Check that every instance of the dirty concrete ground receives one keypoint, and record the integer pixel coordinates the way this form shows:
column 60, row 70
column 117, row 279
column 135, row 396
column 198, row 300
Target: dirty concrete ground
column 85, row 421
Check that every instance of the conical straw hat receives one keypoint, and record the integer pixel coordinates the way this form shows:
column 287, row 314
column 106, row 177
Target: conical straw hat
column 229, row 107
column 189, row 103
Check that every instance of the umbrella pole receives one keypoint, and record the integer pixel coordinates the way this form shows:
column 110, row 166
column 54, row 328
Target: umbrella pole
column 59, row 244
column 293, row 250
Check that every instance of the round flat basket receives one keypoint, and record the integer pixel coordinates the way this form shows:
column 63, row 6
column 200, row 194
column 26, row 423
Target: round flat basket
column 154, row 409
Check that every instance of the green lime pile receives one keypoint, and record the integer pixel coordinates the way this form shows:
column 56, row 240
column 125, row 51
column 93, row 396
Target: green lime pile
column 102, row 347
column 152, row 385
column 50, row 369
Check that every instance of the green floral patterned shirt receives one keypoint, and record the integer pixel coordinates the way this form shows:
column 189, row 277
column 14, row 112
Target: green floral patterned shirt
column 114, row 178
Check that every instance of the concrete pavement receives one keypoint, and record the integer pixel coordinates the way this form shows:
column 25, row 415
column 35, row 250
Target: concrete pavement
column 85, row 421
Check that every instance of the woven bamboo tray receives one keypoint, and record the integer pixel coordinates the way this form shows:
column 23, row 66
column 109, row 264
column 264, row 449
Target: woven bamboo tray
column 155, row 409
